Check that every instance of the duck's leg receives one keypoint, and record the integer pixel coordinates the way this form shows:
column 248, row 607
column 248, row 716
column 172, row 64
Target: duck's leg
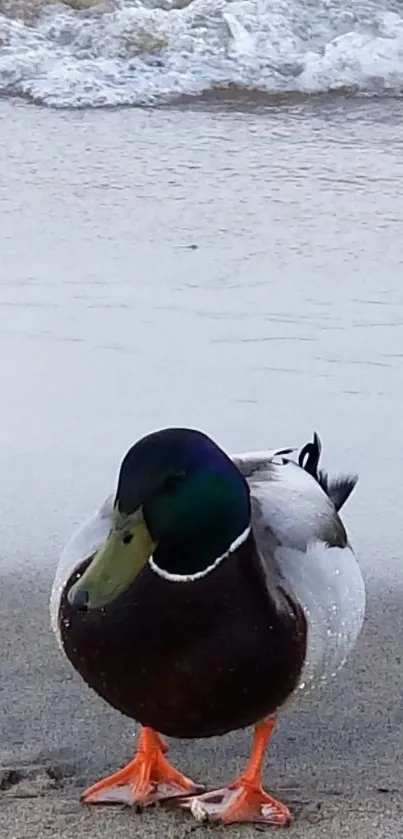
column 244, row 800
column 148, row 778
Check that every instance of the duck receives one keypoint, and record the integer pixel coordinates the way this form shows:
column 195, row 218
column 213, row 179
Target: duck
column 206, row 595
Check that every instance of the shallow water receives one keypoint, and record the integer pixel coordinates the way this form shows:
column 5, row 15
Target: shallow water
column 232, row 267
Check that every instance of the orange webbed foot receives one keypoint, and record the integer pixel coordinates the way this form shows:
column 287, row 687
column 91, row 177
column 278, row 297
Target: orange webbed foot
column 237, row 803
column 148, row 778
column 245, row 800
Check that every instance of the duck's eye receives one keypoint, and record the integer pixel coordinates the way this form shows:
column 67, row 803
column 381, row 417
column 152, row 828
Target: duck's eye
column 127, row 538
column 173, row 481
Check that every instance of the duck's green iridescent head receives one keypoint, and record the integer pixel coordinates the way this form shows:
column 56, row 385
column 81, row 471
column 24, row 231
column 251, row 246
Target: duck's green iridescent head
column 180, row 503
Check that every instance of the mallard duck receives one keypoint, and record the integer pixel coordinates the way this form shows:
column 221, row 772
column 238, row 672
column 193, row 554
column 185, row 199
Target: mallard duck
column 207, row 594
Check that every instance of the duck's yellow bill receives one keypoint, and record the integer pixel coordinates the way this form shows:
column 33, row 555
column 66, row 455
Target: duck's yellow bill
column 116, row 565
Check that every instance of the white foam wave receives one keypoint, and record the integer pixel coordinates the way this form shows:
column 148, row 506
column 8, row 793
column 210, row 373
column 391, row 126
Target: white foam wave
column 144, row 52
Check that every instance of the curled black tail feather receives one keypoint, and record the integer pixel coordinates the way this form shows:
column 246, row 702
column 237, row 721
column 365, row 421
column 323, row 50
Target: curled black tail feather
column 337, row 489
column 309, row 456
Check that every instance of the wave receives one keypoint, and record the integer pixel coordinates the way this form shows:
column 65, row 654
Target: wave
column 153, row 52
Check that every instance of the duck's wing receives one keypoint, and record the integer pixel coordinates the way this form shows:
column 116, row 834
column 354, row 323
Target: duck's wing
column 260, row 464
column 305, row 550
column 288, row 501
column 87, row 539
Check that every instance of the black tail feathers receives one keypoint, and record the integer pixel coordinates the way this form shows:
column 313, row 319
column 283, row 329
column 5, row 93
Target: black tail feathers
column 338, row 489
